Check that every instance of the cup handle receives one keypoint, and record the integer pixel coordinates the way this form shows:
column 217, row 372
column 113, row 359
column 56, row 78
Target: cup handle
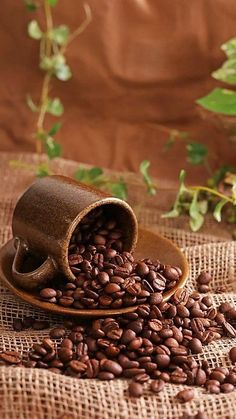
column 34, row 279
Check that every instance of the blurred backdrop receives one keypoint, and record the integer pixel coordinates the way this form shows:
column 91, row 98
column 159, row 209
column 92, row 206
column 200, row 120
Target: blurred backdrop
column 139, row 64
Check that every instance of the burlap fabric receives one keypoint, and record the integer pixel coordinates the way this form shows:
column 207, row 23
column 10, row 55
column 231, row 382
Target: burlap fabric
column 37, row 394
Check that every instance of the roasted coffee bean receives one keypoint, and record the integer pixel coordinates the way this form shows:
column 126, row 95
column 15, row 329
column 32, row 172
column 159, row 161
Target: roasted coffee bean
column 57, row 333
column 155, row 325
column 229, row 329
column 157, row 386
column 203, row 288
column 135, row 389
column 185, row 396
column 204, row 278
column 232, row 355
column 40, row 324
column 141, row 378
column 196, row 346
column 10, row 357
column 111, row 366
column 178, row 376
column 18, row 325
column 47, row 293
column 218, row 376
column 65, row 354
column 226, row 388
column 106, row 375
column 28, row 322
column 170, row 273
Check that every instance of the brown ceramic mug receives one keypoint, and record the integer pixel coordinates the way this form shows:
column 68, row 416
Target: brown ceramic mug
column 45, row 218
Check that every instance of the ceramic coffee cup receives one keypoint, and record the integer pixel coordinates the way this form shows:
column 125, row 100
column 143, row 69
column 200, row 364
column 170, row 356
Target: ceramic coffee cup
column 45, row 218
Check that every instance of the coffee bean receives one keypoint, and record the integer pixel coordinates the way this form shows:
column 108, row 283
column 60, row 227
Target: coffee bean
column 106, row 375
column 48, row 293
column 204, row 278
column 18, row 325
column 227, row 388
column 155, row 325
column 142, row 269
column 141, row 378
column 10, row 357
column 232, row 355
column 157, row 386
column 185, row 396
column 57, row 333
column 40, row 324
column 171, row 273
column 135, row 389
column 65, row 354
column 111, row 366
column 196, row 346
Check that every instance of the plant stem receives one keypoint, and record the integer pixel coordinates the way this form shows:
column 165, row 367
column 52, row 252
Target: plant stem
column 47, row 44
column 212, row 192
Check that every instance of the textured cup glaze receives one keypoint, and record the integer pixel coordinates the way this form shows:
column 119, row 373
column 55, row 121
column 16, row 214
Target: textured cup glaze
column 45, row 218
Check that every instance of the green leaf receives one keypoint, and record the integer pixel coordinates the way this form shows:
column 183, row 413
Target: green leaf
column 55, row 128
column 52, row 2
column 227, row 73
column 55, row 107
column 34, row 30
column 60, row 34
column 31, row 6
column 53, row 149
column 203, row 206
column 171, row 214
column 94, row 173
column 234, row 190
column 229, row 47
column 80, row 174
column 182, row 187
column 42, row 170
column 218, row 209
column 46, row 63
column 63, row 72
column 220, row 101
column 143, row 168
column 196, row 153
column 219, row 175
column 31, row 104
column 196, row 218
column 119, row 189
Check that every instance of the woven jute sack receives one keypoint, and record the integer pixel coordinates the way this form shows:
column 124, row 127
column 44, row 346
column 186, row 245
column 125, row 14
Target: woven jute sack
column 38, row 394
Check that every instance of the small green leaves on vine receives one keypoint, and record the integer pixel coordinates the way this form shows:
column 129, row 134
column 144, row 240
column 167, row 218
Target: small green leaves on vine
column 55, row 128
column 34, row 30
column 196, row 217
column 55, row 107
column 31, row 5
column 95, row 177
column 196, row 153
column 52, row 148
column 60, row 34
column 176, row 210
column 218, row 209
column 194, row 200
column 220, row 101
column 143, row 168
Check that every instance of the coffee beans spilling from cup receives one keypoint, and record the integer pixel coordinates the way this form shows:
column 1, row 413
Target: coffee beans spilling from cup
column 106, row 276
column 158, row 341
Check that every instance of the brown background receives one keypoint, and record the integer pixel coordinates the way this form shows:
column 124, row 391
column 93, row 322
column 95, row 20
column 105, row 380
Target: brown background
column 140, row 63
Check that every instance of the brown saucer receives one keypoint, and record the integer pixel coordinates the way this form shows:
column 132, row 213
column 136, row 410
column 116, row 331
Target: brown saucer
column 149, row 245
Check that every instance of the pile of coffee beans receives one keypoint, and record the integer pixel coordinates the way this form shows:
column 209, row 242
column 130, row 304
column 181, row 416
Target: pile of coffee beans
column 157, row 341
column 106, row 276
column 29, row 322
